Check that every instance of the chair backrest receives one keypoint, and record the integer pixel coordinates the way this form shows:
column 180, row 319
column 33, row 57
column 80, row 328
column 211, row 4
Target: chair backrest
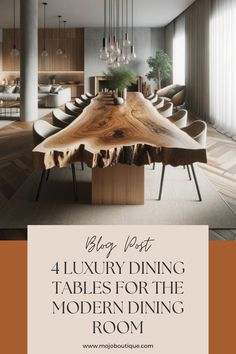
column 159, row 103
column 154, row 99
column 198, row 131
column 71, row 107
column 179, row 118
column 79, row 101
column 152, row 95
column 59, row 114
column 84, row 97
column 42, row 130
column 89, row 95
column 166, row 110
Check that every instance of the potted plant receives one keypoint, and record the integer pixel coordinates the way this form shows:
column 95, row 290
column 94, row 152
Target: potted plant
column 120, row 78
column 160, row 67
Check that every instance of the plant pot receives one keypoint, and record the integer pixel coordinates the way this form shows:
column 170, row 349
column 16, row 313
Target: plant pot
column 123, row 93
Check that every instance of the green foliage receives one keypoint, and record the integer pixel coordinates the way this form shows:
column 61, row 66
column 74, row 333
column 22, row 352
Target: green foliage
column 160, row 67
column 120, row 78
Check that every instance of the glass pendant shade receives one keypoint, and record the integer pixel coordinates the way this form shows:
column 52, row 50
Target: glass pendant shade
column 116, row 50
column 133, row 55
column 15, row 52
column 104, row 55
column 64, row 54
column 110, row 60
column 44, row 53
column 59, row 51
column 126, row 42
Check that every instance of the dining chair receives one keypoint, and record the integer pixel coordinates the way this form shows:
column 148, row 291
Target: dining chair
column 85, row 99
column 71, row 109
column 179, row 118
column 198, row 131
column 149, row 97
column 89, row 95
column 79, row 103
column 154, row 99
column 159, row 103
column 166, row 110
column 61, row 119
column 41, row 131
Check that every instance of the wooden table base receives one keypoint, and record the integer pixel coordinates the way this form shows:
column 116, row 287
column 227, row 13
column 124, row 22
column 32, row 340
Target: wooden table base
column 120, row 184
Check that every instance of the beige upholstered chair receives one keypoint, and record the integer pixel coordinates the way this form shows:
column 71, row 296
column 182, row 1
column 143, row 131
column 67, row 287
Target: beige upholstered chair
column 167, row 110
column 154, row 99
column 71, row 109
column 79, row 103
column 152, row 95
column 61, row 119
column 179, row 118
column 89, row 95
column 85, row 99
column 174, row 93
column 159, row 103
column 198, row 131
column 41, row 131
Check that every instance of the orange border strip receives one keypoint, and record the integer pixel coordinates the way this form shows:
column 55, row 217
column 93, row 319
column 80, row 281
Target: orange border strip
column 13, row 297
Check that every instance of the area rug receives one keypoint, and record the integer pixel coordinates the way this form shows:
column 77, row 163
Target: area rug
column 179, row 204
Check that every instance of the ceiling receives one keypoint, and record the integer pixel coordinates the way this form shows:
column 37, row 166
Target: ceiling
column 89, row 13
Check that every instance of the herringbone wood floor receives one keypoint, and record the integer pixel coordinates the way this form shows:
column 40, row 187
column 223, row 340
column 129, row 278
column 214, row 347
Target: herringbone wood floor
column 16, row 144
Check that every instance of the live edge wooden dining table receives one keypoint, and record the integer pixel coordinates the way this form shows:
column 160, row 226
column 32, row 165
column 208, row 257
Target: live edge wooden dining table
column 116, row 141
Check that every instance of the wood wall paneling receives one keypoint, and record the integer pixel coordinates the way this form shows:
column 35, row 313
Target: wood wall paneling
column 72, row 41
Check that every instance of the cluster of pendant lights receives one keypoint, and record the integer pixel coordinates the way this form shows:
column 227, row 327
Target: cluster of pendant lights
column 117, row 46
column 59, row 50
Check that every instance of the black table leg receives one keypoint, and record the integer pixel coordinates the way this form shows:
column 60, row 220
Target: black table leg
column 74, row 181
column 189, row 174
column 40, row 185
column 196, row 183
column 162, row 180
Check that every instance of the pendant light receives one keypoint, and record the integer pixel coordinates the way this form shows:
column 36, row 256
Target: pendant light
column 132, row 54
column 104, row 55
column 14, row 51
column 64, row 51
column 126, row 42
column 59, row 51
column 44, row 52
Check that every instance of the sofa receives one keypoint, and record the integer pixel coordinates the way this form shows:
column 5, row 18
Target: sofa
column 48, row 96
column 173, row 93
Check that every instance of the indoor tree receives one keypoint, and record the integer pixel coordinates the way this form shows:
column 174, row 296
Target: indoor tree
column 160, row 67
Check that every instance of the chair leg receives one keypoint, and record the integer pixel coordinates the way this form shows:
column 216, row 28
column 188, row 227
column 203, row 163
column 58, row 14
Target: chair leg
column 189, row 174
column 162, row 180
column 74, row 181
column 48, row 174
column 82, row 166
column 40, row 185
column 153, row 166
column 196, row 183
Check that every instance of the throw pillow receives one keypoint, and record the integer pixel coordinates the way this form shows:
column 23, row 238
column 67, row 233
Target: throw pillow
column 57, row 89
column 45, row 89
column 17, row 89
column 9, row 89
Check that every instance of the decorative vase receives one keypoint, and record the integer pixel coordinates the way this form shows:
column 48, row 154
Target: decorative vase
column 124, row 93
column 118, row 100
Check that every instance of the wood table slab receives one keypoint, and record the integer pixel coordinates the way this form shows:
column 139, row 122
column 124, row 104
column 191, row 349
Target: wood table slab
column 107, row 135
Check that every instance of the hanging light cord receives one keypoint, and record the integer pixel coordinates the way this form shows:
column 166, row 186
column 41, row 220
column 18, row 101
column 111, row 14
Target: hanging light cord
column 14, row 23
column 105, row 18
column 59, row 31
column 44, row 25
column 132, row 22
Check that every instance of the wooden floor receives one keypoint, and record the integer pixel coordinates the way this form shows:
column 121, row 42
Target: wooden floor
column 16, row 144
